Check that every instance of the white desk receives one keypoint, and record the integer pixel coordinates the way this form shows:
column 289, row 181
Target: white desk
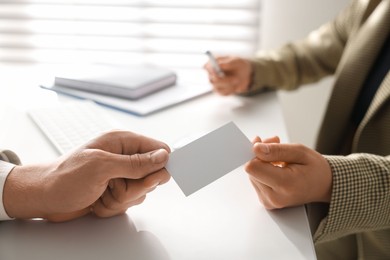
column 222, row 221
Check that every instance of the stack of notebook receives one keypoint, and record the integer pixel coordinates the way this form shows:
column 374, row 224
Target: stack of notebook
column 139, row 90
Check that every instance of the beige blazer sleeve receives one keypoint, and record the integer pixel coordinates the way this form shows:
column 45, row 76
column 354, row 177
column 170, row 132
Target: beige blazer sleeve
column 360, row 196
column 306, row 60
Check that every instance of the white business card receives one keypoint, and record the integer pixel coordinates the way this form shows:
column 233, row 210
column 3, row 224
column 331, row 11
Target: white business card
column 208, row 158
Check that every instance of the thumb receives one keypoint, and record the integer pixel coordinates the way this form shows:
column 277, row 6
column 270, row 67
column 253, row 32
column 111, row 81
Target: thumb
column 137, row 166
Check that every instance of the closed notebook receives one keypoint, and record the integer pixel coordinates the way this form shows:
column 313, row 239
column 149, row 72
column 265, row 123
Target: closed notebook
column 129, row 82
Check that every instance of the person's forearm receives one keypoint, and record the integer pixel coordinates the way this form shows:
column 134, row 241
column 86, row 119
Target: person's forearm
column 21, row 195
column 300, row 62
column 307, row 60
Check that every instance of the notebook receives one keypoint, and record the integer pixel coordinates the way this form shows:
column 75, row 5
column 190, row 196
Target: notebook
column 130, row 82
column 160, row 100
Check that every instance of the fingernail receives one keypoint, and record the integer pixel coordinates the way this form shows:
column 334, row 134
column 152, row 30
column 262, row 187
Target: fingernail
column 256, row 140
column 263, row 147
column 159, row 156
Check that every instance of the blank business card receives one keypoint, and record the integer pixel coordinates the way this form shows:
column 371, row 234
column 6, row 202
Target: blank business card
column 208, row 158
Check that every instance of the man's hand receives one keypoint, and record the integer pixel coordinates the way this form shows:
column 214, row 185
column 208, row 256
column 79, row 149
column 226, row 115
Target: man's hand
column 287, row 175
column 238, row 72
column 108, row 175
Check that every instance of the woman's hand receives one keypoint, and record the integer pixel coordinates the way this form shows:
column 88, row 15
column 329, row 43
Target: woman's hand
column 287, row 175
column 237, row 79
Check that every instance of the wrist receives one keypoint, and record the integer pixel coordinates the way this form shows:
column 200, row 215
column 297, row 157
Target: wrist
column 21, row 194
column 327, row 182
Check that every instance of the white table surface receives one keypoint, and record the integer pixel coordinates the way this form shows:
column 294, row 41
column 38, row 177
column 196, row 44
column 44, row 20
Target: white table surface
column 221, row 221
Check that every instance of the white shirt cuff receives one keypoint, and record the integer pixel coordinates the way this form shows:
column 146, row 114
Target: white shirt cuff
column 5, row 169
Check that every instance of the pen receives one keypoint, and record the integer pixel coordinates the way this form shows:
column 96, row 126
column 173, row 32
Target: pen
column 215, row 65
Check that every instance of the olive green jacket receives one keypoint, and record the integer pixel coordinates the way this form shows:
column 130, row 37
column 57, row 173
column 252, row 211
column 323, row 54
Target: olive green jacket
column 356, row 223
